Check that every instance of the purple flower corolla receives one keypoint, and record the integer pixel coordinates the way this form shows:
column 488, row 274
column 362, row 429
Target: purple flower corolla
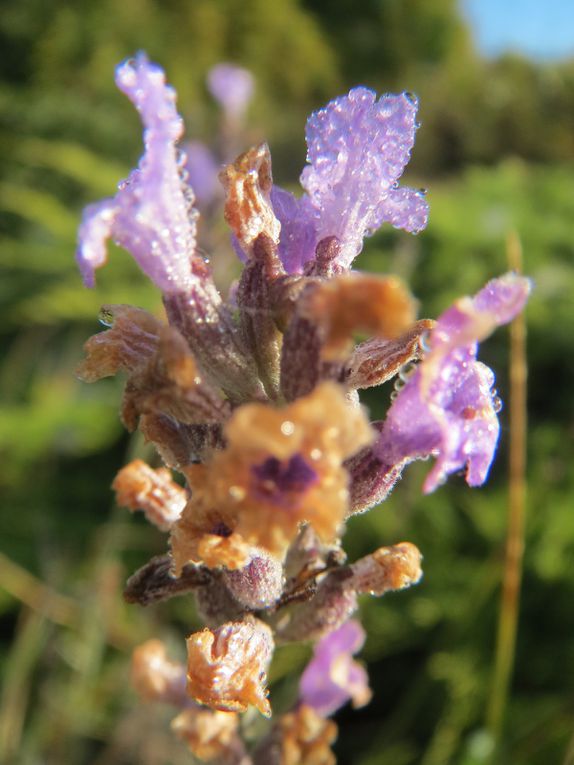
column 357, row 149
column 447, row 407
column 151, row 215
column 232, row 87
column 332, row 677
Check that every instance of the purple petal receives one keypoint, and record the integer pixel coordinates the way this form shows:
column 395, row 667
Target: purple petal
column 298, row 235
column 357, row 150
column 332, row 678
column 446, row 408
column 232, row 87
column 151, row 215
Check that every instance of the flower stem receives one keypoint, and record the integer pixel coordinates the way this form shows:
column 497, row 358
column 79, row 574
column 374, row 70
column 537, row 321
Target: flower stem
column 512, row 576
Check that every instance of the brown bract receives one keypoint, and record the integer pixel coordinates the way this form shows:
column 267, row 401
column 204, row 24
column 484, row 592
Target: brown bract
column 170, row 383
column 210, row 735
column 155, row 677
column 227, row 667
column 248, row 210
column 350, row 303
column 377, row 360
column 126, row 346
column 281, row 467
column 306, row 738
column 140, row 487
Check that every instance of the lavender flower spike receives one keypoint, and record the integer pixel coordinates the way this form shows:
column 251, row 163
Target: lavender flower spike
column 357, row 150
column 151, row 215
column 447, row 407
column 332, row 677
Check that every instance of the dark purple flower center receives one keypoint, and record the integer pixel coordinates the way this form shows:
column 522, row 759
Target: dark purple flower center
column 279, row 480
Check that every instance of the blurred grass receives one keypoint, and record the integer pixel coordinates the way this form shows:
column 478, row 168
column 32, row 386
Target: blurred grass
column 66, row 551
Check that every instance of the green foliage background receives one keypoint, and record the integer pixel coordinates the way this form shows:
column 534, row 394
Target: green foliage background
column 496, row 150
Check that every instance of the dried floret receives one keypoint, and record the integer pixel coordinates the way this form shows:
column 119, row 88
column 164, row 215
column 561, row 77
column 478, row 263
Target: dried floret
column 132, row 338
column 387, row 569
column 306, row 738
column 155, row 677
column 281, row 467
column 171, row 384
column 227, row 667
column 140, row 487
column 210, row 735
column 248, row 210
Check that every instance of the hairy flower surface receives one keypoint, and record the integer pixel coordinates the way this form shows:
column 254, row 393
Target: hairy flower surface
column 151, row 215
column 227, row 667
column 281, row 467
column 332, row 677
column 447, row 406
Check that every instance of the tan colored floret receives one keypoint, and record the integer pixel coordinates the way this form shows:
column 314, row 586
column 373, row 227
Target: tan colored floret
column 140, row 487
column 227, row 667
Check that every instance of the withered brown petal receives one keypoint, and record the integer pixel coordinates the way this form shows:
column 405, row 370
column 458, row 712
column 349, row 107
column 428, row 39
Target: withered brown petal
column 350, row 303
column 126, row 346
column 139, row 487
column 387, row 569
column 227, row 667
column 171, row 384
column 248, row 210
column 378, row 360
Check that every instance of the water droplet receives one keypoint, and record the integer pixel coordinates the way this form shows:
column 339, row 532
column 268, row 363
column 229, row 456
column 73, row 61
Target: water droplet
column 496, row 404
column 424, row 342
column 407, row 371
column 316, row 454
column 106, row 317
column 399, row 384
column 287, row 428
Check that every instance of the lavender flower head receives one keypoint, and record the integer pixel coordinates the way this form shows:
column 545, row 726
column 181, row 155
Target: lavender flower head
column 232, row 87
column 332, row 677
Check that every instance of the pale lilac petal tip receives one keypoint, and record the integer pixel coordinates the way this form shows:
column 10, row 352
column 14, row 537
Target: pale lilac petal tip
column 95, row 229
column 448, row 407
column 144, row 84
column 332, row 677
column 153, row 216
column 358, row 148
column 232, row 87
